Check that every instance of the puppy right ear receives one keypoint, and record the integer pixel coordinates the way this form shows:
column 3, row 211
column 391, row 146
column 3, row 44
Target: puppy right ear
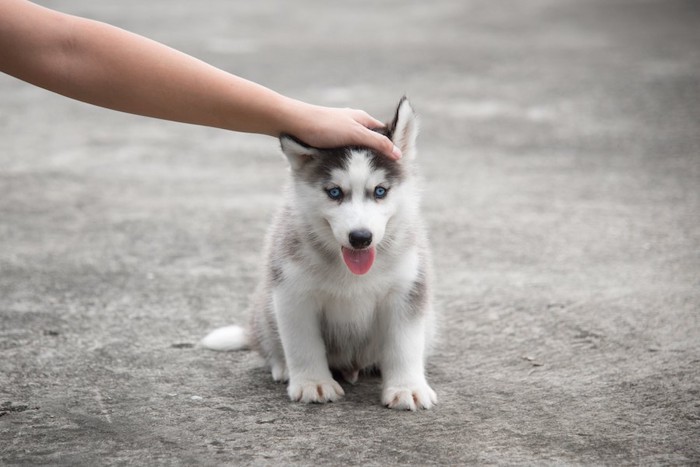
column 297, row 152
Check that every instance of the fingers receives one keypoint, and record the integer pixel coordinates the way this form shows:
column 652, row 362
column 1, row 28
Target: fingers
column 381, row 143
column 367, row 120
column 376, row 141
column 326, row 127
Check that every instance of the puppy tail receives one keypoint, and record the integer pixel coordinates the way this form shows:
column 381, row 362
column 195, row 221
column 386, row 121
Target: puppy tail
column 226, row 338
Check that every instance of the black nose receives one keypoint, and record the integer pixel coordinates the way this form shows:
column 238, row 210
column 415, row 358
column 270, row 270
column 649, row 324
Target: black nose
column 361, row 238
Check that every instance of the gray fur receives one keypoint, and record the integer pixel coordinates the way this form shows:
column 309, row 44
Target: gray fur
column 320, row 163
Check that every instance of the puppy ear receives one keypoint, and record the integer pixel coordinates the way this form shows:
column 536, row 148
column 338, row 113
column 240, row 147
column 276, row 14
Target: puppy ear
column 404, row 129
column 297, row 152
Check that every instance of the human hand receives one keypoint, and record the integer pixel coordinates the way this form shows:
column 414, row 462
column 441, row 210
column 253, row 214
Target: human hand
column 328, row 127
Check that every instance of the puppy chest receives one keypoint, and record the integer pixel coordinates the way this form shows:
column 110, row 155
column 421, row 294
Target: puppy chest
column 349, row 323
column 356, row 312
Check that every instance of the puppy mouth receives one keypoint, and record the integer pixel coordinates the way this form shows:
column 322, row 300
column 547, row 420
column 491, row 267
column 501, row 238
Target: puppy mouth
column 359, row 262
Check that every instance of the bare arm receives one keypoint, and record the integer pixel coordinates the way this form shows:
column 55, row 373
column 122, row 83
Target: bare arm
column 106, row 66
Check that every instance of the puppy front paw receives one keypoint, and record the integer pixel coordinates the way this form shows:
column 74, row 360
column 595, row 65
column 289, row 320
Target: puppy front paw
column 319, row 392
column 409, row 397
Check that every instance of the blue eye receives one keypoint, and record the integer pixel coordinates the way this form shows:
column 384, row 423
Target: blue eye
column 380, row 192
column 335, row 193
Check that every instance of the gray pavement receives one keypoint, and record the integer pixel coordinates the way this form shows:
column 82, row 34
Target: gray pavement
column 561, row 154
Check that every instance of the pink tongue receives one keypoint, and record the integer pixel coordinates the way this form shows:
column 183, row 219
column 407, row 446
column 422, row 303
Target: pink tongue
column 358, row 261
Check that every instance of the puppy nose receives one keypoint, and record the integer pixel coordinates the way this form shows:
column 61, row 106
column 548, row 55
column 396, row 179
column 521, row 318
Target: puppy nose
column 361, row 238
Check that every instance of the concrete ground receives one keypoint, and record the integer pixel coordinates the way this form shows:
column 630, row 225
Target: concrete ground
column 561, row 154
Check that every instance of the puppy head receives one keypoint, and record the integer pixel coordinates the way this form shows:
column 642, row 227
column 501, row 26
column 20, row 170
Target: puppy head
column 348, row 196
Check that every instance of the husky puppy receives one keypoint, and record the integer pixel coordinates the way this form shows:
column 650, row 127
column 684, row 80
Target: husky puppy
column 347, row 275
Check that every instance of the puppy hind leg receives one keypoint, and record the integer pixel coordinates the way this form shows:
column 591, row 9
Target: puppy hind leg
column 280, row 373
column 351, row 376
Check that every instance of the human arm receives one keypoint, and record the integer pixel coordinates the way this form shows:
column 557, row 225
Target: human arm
column 106, row 66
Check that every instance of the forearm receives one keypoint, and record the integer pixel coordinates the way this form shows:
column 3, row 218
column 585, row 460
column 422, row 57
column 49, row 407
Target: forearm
column 109, row 67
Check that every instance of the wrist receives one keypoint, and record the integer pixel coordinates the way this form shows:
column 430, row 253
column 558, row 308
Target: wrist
column 292, row 117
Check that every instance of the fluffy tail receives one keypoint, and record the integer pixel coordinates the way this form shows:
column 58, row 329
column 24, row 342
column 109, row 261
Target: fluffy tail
column 226, row 338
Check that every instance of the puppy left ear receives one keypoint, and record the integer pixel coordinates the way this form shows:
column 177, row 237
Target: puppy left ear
column 404, row 129
column 297, row 152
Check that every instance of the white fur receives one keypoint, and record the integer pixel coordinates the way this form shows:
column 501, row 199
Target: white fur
column 328, row 318
column 360, row 212
column 226, row 338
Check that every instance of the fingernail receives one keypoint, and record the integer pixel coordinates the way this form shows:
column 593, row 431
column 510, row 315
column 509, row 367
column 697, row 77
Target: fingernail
column 396, row 152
